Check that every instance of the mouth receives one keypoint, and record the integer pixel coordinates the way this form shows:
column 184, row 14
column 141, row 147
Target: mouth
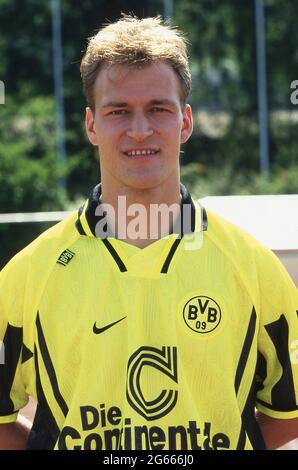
column 141, row 153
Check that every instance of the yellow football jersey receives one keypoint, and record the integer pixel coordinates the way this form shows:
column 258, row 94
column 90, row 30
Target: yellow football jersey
column 167, row 347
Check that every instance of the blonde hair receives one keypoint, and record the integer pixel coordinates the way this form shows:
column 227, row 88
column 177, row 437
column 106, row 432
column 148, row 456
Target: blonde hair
column 137, row 43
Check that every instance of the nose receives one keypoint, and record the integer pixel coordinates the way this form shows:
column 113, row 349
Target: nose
column 140, row 128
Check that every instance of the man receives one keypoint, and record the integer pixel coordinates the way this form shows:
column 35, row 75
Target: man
column 144, row 332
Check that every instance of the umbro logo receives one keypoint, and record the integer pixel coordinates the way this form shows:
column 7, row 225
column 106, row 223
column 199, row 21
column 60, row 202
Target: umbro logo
column 65, row 257
column 97, row 330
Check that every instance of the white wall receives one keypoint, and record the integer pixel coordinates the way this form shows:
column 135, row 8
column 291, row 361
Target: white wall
column 273, row 220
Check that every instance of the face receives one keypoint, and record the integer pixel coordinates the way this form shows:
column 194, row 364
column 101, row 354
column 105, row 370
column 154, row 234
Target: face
column 138, row 125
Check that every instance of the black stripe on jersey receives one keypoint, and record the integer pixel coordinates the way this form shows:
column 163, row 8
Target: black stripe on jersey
column 242, row 438
column 283, row 392
column 115, row 255
column 50, row 368
column 12, row 344
column 26, row 354
column 78, row 222
column 45, row 431
column 249, row 425
column 245, row 350
column 171, row 253
column 261, row 371
column 275, row 408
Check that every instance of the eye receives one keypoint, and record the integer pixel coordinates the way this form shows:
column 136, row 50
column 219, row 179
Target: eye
column 118, row 112
column 156, row 109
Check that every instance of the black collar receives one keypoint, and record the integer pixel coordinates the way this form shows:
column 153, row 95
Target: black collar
column 87, row 218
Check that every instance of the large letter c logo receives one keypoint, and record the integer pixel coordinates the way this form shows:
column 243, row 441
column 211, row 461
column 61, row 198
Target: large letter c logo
column 164, row 360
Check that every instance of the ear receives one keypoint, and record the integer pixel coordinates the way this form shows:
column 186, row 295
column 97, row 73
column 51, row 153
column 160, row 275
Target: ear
column 89, row 121
column 187, row 126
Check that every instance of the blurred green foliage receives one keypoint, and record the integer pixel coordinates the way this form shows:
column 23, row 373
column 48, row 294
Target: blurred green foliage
column 222, row 157
column 205, row 181
column 29, row 174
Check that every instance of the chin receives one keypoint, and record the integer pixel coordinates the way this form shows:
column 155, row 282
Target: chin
column 144, row 181
column 144, row 185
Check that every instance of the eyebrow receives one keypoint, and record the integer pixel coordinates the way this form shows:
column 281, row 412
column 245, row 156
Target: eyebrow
column 121, row 104
column 115, row 104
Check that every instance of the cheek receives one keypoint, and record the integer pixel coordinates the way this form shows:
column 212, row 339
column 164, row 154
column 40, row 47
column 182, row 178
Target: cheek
column 106, row 136
column 172, row 127
column 173, row 135
column 111, row 127
column 108, row 148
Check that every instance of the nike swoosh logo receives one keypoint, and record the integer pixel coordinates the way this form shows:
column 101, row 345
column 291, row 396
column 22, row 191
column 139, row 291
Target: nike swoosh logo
column 97, row 331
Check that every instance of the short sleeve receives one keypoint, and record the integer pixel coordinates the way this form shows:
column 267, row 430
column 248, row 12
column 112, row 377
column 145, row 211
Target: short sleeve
column 277, row 369
column 13, row 396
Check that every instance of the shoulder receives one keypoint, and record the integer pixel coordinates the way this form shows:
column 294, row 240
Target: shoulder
column 44, row 250
column 233, row 239
column 23, row 279
column 248, row 254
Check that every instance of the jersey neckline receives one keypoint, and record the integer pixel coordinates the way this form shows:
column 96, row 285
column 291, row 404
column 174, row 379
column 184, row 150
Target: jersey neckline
column 155, row 258
column 87, row 218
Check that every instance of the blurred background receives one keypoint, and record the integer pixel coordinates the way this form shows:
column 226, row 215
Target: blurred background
column 244, row 58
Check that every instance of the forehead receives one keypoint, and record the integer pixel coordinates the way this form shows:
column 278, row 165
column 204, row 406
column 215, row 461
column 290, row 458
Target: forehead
column 126, row 83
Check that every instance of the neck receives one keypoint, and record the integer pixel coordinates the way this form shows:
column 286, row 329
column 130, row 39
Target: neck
column 143, row 215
